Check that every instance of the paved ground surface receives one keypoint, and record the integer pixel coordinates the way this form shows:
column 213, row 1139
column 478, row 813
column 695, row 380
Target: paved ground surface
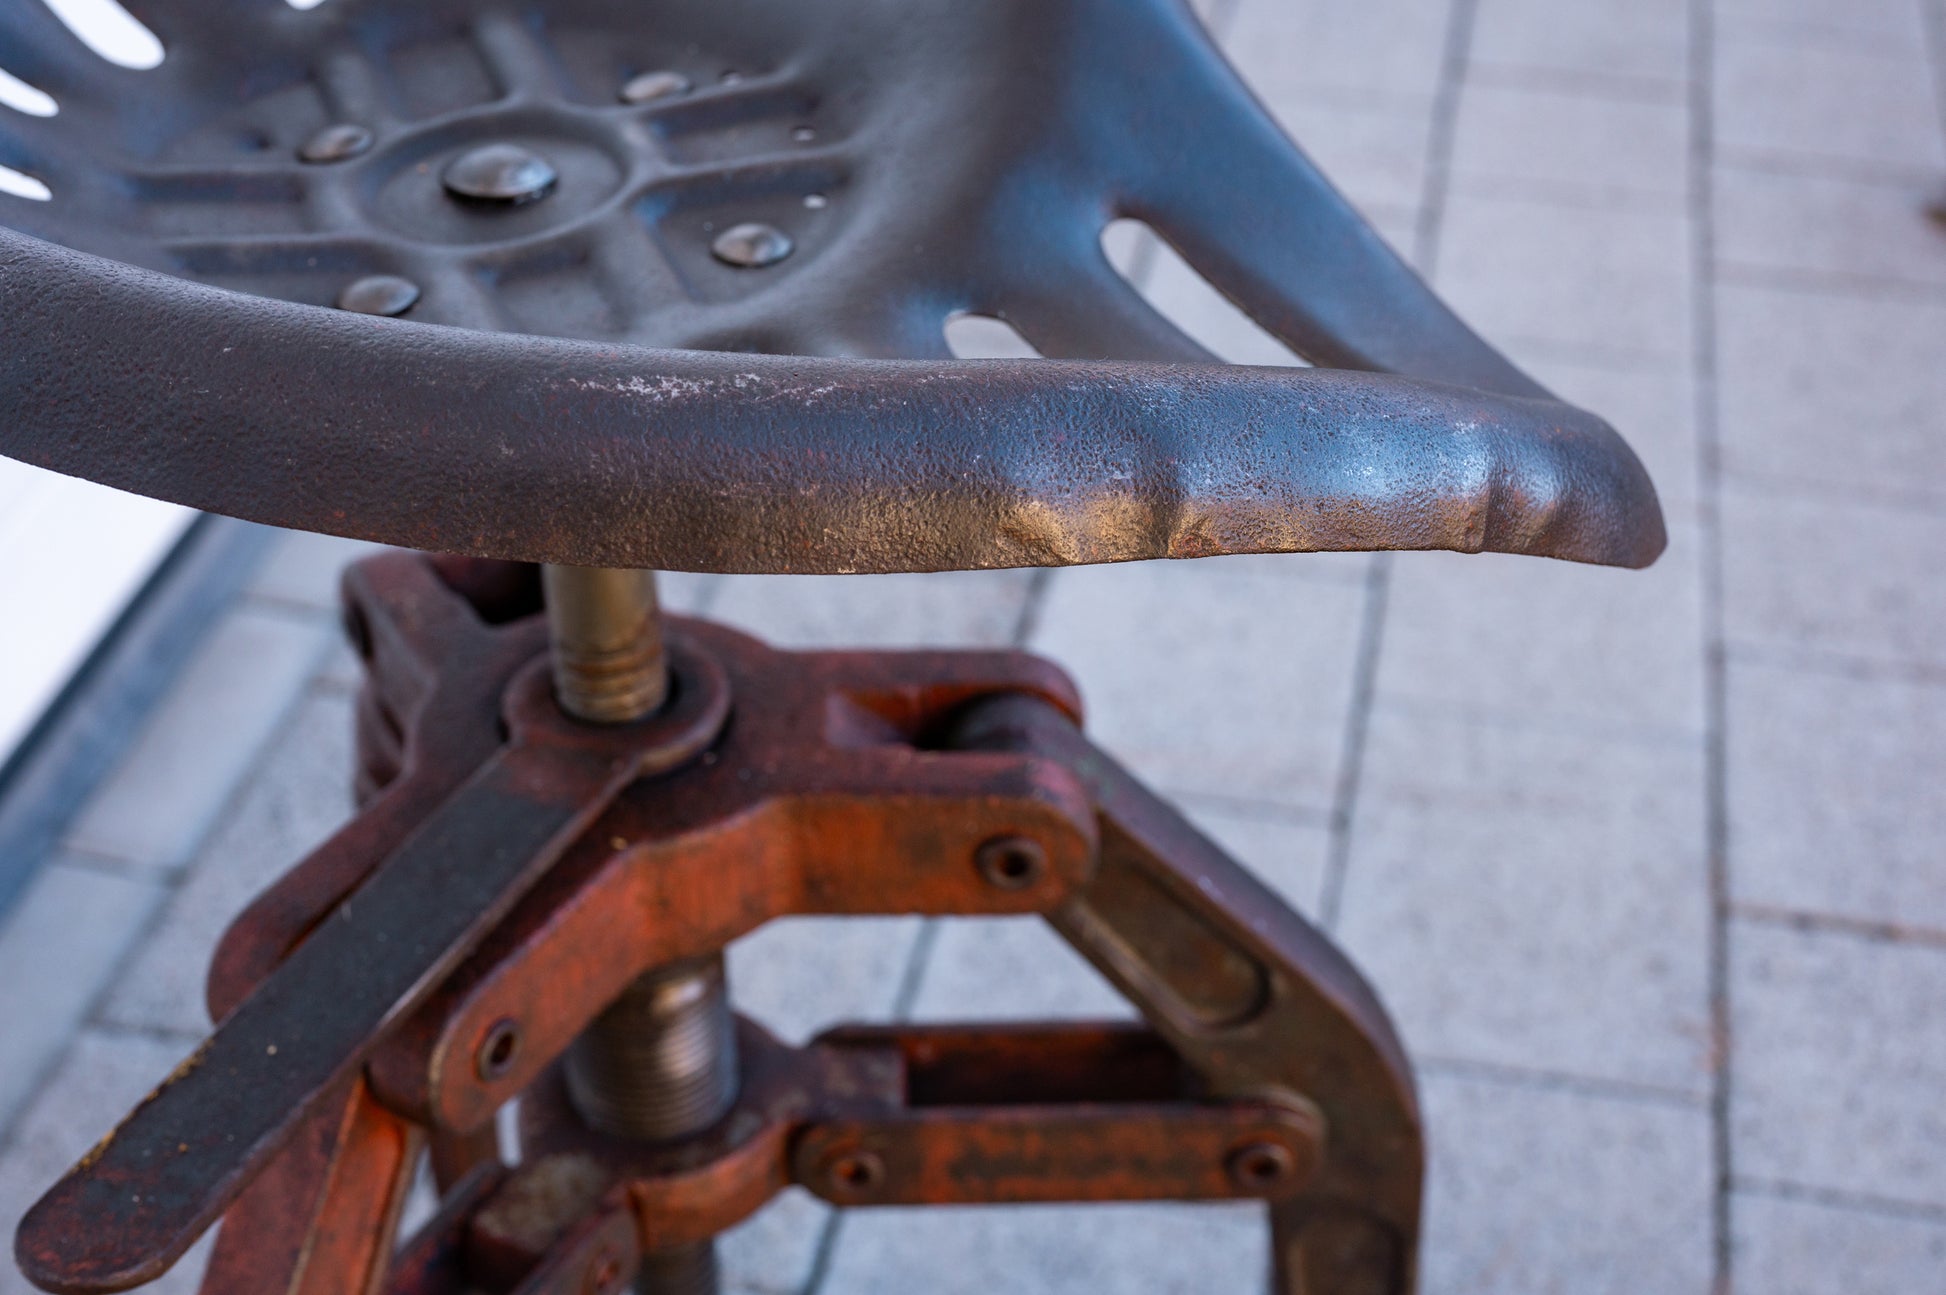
column 1651, row 867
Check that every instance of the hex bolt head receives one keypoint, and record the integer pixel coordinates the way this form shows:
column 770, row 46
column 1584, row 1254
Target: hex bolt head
column 1261, row 1165
column 379, row 294
column 752, row 246
column 851, row 1173
column 504, row 175
column 647, row 87
column 336, row 143
column 498, row 1050
column 1011, row 862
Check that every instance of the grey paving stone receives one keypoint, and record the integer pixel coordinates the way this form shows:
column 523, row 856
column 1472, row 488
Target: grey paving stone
column 982, row 337
column 1224, row 676
column 1824, row 99
column 804, row 974
column 1534, row 1190
column 1606, row 40
column 1592, row 280
column 1533, row 898
column 303, row 569
column 1827, row 230
column 1838, row 1062
column 1371, row 146
column 1552, row 642
column 1383, row 45
column 1128, row 1249
column 1576, row 147
column 1290, row 857
column 952, row 609
column 1859, row 579
column 59, row 945
column 1008, row 969
column 774, row 1251
column 1184, row 297
column 1880, row 22
column 100, row 1080
column 1797, row 1247
column 1832, row 393
column 1834, row 793
column 299, row 795
column 686, row 593
column 1128, row 244
column 341, row 669
column 159, row 803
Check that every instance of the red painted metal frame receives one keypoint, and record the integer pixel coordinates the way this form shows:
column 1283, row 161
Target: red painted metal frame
column 513, row 870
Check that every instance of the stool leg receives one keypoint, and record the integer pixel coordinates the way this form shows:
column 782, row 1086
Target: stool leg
column 1253, row 998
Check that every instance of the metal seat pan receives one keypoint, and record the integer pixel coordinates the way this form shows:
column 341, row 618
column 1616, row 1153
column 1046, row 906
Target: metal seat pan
column 580, row 379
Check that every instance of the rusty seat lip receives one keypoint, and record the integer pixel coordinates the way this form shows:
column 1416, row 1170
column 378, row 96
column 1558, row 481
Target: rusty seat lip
column 543, row 449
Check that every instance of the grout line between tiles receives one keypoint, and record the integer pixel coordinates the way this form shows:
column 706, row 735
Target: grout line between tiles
column 1831, row 1198
column 1378, row 580
column 1614, row 87
column 1835, row 664
column 1710, row 558
column 1358, row 724
column 1829, row 283
column 1445, row 126
column 1804, row 164
column 1555, row 1081
column 1863, row 929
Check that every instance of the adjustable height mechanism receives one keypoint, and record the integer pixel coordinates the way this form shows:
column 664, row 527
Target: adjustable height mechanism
column 660, row 1063
column 531, row 906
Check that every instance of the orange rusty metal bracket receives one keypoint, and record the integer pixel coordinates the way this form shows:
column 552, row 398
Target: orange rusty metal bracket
column 886, row 1116
column 346, row 1173
column 783, row 783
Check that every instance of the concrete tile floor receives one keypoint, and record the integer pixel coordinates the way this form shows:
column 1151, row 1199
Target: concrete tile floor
column 1648, row 866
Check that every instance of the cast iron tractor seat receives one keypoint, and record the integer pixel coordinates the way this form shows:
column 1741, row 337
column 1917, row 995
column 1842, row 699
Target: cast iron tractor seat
column 605, row 284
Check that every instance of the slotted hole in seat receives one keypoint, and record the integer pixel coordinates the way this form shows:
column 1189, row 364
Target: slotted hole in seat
column 303, row 4
column 23, row 186
column 985, row 337
column 109, row 30
column 1187, row 299
column 21, row 97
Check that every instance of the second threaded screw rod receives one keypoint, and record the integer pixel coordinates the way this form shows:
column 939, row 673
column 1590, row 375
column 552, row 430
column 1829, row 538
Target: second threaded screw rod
column 660, row 1063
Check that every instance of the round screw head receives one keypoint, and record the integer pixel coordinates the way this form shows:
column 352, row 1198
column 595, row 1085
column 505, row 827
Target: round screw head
column 379, row 294
column 751, row 246
column 498, row 1049
column 503, row 174
column 1011, row 862
column 1260, row 1166
column 851, row 1173
column 335, row 143
column 647, row 87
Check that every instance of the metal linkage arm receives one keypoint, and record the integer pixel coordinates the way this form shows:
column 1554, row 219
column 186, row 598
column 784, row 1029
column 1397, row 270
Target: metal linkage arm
column 911, row 1115
column 1253, row 997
